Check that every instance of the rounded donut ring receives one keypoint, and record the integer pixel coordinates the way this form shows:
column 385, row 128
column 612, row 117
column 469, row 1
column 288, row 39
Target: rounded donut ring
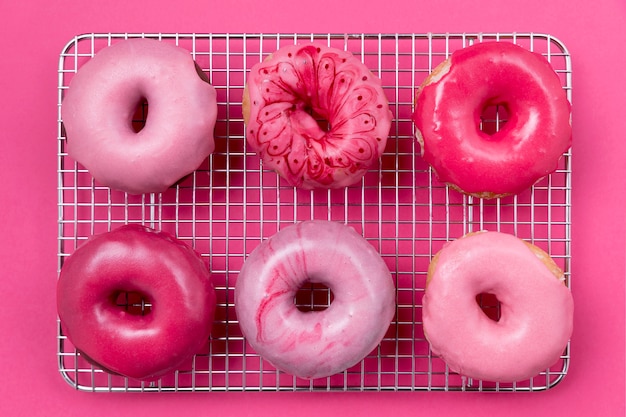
column 536, row 308
column 165, row 272
column 318, row 343
column 98, row 108
column 527, row 147
column 294, row 86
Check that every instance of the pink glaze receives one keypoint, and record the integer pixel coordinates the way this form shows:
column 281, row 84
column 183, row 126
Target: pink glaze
column 318, row 343
column 525, row 149
column 298, row 83
column 536, row 315
column 99, row 105
column 166, row 272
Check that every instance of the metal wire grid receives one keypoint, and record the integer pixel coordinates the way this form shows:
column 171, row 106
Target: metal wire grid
column 229, row 205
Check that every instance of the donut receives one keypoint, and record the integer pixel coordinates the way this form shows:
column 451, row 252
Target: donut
column 536, row 308
column 314, row 344
column 286, row 95
column 98, row 107
column 165, row 273
column 528, row 146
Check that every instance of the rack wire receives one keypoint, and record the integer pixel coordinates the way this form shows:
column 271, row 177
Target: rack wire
column 231, row 204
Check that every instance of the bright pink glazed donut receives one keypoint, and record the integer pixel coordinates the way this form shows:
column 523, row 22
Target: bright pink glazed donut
column 314, row 344
column 165, row 272
column 526, row 148
column 98, row 108
column 298, row 84
column 536, row 308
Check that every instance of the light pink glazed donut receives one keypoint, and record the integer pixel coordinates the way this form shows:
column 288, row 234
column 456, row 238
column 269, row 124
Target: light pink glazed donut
column 318, row 343
column 536, row 310
column 98, row 107
column 159, row 268
column 527, row 147
column 299, row 83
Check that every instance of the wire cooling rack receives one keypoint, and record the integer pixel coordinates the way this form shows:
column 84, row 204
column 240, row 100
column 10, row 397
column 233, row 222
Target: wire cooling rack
column 230, row 204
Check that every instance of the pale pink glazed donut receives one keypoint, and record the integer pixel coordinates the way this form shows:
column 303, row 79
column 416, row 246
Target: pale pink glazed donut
column 165, row 272
column 98, row 107
column 318, row 343
column 527, row 147
column 536, row 310
column 284, row 95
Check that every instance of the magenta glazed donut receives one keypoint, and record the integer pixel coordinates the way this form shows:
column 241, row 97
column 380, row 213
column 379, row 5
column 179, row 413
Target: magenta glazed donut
column 98, row 107
column 299, row 83
column 165, row 272
column 318, row 343
column 536, row 308
column 528, row 146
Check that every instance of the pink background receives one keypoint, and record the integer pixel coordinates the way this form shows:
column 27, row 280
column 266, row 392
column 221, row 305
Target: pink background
column 33, row 34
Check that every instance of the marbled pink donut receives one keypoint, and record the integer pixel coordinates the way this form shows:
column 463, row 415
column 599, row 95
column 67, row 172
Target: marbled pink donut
column 536, row 308
column 319, row 343
column 528, row 146
column 288, row 90
column 166, row 272
column 98, row 107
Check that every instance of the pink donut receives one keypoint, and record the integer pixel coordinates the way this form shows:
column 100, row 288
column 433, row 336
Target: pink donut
column 165, row 272
column 319, row 343
column 536, row 310
column 98, row 107
column 527, row 147
column 299, row 83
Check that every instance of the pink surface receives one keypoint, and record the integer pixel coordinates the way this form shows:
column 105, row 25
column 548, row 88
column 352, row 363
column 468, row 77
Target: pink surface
column 34, row 34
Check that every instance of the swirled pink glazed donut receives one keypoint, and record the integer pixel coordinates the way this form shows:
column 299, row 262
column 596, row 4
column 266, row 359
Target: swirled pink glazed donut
column 297, row 84
column 527, row 147
column 536, row 308
column 314, row 344
column 98, row 108
column 167, row 274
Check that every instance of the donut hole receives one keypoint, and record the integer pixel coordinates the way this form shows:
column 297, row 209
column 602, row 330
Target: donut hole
column 133, row 302
column 490, row 305
column 313, row 296
column 322, row 122
column 493, row 117
column 140, row 115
